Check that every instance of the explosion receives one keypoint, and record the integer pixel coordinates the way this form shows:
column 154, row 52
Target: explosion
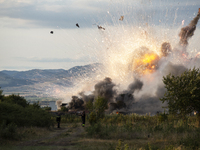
column 129, row 61
column 147, row 63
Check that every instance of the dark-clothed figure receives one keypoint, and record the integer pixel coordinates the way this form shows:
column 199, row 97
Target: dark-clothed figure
column 83, row 118
column 58, row 119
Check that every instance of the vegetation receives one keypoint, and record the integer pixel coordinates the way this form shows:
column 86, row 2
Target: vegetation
column 156, row 132
column 64, row 109
column 15, row 112
column 183, row 93
column 165, row 131
column 97, row 109
column 117, row 131
column 47, row 108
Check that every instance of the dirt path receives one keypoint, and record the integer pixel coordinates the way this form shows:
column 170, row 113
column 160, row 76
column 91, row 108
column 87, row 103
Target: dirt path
column 58, row 137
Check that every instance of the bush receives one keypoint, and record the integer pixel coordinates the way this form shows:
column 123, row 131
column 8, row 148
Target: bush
column 162, row 117
column 28, row 116
column 64, row 109
column 94, row 130
column 122, row 146
column 191, row 141
column 128, row 126
column 47, row 108
column 8, row 131
column 16, row 99
column 92, row 118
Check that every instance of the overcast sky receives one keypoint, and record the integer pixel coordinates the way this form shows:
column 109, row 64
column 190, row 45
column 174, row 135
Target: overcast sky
column 25, row 25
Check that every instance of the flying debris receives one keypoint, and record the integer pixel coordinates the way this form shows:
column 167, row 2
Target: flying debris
column 51, row 32
column 77, row 25
column 121, row 18
column 100, row 27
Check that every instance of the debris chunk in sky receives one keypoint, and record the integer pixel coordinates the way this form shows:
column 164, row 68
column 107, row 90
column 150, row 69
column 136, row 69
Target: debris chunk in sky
column 121, row 18
column 77, row 25
column 100, row 27
column 51, row 32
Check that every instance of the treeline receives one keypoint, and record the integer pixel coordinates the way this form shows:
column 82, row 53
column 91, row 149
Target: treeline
column 15, row 112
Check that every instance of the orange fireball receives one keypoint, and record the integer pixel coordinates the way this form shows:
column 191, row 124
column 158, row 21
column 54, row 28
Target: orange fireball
column 146, row 63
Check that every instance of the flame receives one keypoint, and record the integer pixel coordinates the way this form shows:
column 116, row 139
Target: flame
column 147, row 63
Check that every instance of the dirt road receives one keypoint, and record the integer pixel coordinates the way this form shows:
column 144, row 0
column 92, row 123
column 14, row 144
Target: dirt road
column 65, row 136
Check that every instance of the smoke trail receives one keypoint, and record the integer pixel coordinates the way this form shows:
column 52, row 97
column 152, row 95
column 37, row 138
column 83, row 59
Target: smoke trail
column 188, row 31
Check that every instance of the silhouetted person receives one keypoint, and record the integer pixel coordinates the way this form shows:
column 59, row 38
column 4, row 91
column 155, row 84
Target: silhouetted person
column 83, row 118
column 58, row 119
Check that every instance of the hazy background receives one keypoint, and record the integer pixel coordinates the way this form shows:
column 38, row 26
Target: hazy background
column 25, row 25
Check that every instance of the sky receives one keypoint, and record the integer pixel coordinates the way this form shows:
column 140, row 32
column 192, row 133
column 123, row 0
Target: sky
column 25, row 25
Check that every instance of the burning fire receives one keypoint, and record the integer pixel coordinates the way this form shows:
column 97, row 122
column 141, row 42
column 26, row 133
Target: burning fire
column 147, row 63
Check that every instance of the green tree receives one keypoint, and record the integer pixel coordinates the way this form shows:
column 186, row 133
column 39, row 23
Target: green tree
column 92, row 118
column 183, row 92
column 35, row 105
column 98, row 109
column 89, row 105
column 47, row 108
column 16, row 99
column 100, row 105
column 64, row 109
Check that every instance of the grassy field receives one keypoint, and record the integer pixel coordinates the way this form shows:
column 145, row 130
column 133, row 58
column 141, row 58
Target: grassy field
column 113, row 132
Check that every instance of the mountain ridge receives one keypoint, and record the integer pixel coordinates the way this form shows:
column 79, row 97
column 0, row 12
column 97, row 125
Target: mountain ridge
column 33, row 80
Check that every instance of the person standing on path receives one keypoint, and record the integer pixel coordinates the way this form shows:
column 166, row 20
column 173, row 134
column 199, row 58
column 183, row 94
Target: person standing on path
column 58, row 119
column 83, row 118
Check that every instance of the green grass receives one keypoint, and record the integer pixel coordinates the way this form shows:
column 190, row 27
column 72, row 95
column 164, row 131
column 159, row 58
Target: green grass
column 124, row 132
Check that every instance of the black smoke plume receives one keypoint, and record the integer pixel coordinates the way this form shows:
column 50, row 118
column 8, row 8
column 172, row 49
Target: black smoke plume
column 127, row 97
column 188, row 31
column 76, row 103
column 105, row 89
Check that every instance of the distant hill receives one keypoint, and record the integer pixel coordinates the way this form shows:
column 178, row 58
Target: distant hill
column 12, row 81
column 7, row 80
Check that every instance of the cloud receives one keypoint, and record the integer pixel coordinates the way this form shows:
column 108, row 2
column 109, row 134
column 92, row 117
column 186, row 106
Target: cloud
column 66, row 14
column 45, row 60
column 50, row 13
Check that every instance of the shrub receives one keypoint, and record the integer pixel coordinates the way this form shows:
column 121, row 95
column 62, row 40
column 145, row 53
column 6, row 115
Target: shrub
column 162, row 117
column 94, row 130
column 16, row 99
column 122, row 146
column 64, row 109
column 92, row 118
column 191, row 141
column 8, row 131
column 28, row 116
column 47, row 108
